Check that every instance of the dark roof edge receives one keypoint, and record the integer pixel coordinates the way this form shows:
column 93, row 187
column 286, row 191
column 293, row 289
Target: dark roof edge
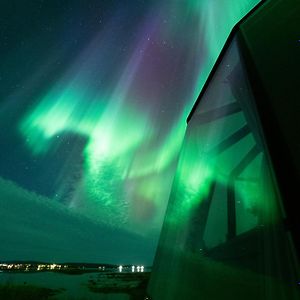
column 221, row 55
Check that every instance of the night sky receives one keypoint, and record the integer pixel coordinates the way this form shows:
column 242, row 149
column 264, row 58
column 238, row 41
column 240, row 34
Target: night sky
column 94, row 97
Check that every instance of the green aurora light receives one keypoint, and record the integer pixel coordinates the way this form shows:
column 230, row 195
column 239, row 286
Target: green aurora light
column 128, row 158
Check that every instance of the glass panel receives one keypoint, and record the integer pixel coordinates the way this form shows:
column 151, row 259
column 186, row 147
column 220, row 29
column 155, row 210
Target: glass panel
column 249, row 187
column 224, row 236
column 216, row 228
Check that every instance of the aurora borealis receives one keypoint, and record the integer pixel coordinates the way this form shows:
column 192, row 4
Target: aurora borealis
column 95, row 99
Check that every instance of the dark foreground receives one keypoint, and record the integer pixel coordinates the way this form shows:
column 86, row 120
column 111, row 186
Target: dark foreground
column 130, row 286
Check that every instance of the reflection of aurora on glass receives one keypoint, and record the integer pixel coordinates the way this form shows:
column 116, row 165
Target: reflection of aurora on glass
column 223, row 157
column 128, row 106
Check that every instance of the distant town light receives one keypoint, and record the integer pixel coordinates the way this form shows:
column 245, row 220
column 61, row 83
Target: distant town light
column 3, row 265
column 133, row 268
column 138, row 268
column 120, row 268
column 142, row 268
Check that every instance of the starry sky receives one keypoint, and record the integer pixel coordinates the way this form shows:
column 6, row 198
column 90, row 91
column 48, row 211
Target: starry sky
column 94, row 100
